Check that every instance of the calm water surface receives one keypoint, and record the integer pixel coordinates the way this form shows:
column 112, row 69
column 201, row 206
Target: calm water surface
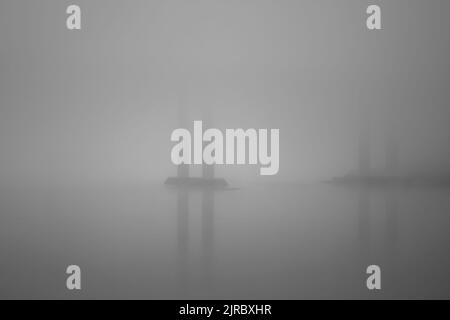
column 262, row 241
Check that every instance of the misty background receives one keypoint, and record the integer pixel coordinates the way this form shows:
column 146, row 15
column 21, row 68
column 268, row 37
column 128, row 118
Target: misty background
column 97, row 106
column 101, row 103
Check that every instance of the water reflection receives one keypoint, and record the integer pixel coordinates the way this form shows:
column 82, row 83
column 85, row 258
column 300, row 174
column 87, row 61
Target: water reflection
column 207, row 235
column 392, row 226
column 367, row 253
column 182, row 238
column 364, row 222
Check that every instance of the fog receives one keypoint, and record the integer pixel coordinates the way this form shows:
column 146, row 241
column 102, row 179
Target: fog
column 96, row 107
column 101, row 103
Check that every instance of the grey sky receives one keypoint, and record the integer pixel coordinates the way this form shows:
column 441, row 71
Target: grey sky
column 102, row 102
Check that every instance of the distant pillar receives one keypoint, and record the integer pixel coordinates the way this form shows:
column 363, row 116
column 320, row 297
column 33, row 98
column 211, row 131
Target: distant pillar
column 182, row 169
column 391, row 153
column 364, row 148
column 207, row 170
column 392, row 146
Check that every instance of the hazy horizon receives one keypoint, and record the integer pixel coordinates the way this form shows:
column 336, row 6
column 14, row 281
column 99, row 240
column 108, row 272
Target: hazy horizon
column 85, row 123
column 101, row 103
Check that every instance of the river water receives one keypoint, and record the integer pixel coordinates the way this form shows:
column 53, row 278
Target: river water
column 261, row 241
